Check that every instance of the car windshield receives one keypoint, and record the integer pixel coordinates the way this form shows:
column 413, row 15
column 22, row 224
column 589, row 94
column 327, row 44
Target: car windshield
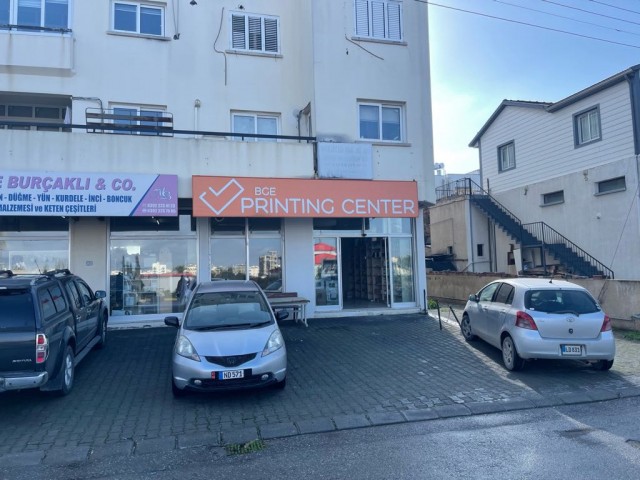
column 560, row 301
column 238, row 309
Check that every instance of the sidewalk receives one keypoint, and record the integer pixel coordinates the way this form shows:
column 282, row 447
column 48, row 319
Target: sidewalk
column 343, row 373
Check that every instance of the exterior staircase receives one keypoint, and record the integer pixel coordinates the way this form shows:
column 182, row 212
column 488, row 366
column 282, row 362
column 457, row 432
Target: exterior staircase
column 574, row 259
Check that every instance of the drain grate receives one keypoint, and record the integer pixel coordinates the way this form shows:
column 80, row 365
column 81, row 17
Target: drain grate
column 243, row 448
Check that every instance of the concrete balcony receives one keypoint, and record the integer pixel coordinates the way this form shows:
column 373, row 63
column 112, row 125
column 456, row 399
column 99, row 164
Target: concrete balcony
column 78, row 151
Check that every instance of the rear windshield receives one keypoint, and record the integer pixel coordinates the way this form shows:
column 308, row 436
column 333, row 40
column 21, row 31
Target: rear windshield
column 560, row 301
column 227, row 309
column 16, row 309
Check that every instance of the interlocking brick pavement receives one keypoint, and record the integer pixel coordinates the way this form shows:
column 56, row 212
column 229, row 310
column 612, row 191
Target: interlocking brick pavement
column 342, row 373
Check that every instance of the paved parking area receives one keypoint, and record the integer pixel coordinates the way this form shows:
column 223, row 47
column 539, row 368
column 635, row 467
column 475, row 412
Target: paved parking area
column 343, row 373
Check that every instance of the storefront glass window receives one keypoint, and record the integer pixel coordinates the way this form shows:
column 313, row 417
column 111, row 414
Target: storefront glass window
column 228, row 244
column 402, row 270
column 33, row 255
column 325, row 265
column 34, row 244
column 155, row 272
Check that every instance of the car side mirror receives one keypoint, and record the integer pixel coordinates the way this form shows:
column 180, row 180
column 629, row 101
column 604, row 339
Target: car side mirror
column 473, row 297
column 100, row 294
column 172, row 322
column 282, row 314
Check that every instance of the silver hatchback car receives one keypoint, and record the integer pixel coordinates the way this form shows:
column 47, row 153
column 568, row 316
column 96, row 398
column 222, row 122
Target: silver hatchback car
column 229, row 339
column 529, row 318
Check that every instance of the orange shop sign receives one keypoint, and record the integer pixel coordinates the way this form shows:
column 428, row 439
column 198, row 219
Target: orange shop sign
column 289, row 197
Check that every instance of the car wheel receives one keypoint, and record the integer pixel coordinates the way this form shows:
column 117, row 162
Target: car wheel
column 177, row 392
column 282, row 384
column 103, row 332
column 603, row 365
column 465, row 328
column 510, row 357
column 67, row 370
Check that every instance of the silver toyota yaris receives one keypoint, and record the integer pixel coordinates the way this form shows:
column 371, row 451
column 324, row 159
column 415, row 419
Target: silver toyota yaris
column 529, row 318
column 229, row 339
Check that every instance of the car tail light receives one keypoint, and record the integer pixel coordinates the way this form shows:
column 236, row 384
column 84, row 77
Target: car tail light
column 42, row 348
column 524, row 320
column 606, row 324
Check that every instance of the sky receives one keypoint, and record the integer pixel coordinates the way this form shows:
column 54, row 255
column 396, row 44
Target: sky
column 479, row 59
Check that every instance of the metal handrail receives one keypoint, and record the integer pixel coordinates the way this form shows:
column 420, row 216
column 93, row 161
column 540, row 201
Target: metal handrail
column 550, row 236
column 467, row 187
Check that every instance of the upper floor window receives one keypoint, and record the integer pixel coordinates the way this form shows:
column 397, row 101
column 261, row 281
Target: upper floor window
column 38, row 15
column 507, row 156
column 139, row 18
column 129, row 119
column 380, row 122
column 381, row 19
column 48, row 113
column 586, row 126
column 618, row 184
column 255, row 33
column 255, row 123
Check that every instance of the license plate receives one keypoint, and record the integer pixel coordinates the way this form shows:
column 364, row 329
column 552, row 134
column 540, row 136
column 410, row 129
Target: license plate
column 230, row 374
column 571, row 350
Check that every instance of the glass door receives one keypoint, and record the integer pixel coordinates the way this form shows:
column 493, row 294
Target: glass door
column 326, row 272
column 402, row 282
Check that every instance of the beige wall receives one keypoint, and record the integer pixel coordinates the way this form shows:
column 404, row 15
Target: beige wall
column 620, row 299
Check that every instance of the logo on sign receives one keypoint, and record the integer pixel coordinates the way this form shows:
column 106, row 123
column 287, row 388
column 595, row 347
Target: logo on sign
column 218, row 200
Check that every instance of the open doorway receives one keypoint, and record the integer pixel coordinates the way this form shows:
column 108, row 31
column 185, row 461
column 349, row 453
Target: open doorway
column 365, row 273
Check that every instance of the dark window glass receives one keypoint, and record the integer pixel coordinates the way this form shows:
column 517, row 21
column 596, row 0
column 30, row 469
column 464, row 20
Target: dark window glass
column 16, row 309
column 505, row 294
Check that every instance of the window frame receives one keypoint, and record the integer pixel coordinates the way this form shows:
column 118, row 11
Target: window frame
column 548, row 199
column 400, row 107
column 392, row 32
column 139, row 6
column 502, row 148
column 139, row 110
column 247, row 37
column 256, row 116
column 578, row 134
column 600, row 191
column 42, row 27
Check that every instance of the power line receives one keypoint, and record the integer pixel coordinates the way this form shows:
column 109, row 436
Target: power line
column 528, row 24
column 590, row 12
column 615, row 6
column 568, row 18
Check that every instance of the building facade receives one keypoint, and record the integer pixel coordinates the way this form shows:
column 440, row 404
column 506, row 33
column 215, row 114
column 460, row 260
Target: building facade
column 560, row 186
column 151, row 145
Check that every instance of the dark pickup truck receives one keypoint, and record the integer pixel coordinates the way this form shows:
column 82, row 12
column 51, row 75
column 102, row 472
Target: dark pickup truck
column 48, row 324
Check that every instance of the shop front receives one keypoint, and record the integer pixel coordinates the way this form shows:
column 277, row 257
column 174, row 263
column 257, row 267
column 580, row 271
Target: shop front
column 345, row 245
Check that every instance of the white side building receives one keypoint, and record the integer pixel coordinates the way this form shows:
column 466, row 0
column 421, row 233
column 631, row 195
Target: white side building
column 288, row 142
column 560, row 185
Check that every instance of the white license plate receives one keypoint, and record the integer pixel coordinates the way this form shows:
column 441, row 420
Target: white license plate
column 231, row 374
column 571, row 350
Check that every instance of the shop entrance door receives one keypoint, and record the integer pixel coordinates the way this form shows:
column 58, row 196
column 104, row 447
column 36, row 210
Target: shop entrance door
column 365, row 272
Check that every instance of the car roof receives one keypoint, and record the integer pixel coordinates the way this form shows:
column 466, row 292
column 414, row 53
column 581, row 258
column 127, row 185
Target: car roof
column 228, row 286
column 541, row 283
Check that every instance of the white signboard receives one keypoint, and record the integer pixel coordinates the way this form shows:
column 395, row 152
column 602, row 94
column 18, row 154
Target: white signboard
column 88, row 194
column 345, row 160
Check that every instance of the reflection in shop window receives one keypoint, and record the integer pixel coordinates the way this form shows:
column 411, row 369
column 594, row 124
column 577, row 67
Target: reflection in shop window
column 247, row 249
column 402, row 270
column 152, row 273
column 33, row 256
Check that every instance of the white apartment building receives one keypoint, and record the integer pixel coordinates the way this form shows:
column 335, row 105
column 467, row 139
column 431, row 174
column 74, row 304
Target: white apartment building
column 206, row 136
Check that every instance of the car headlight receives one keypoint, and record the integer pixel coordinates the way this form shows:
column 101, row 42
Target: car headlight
column 274, row 343
column 184, row 348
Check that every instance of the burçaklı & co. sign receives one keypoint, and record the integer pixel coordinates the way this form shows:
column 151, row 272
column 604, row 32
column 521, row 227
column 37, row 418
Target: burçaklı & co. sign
column 88, row 194
column 289, row 197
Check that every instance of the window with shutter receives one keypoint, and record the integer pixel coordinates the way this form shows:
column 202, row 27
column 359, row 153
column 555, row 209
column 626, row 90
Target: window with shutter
column 254, row 33
column 380, row 19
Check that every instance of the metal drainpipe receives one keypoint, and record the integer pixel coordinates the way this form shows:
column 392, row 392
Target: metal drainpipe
column 196, row 111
